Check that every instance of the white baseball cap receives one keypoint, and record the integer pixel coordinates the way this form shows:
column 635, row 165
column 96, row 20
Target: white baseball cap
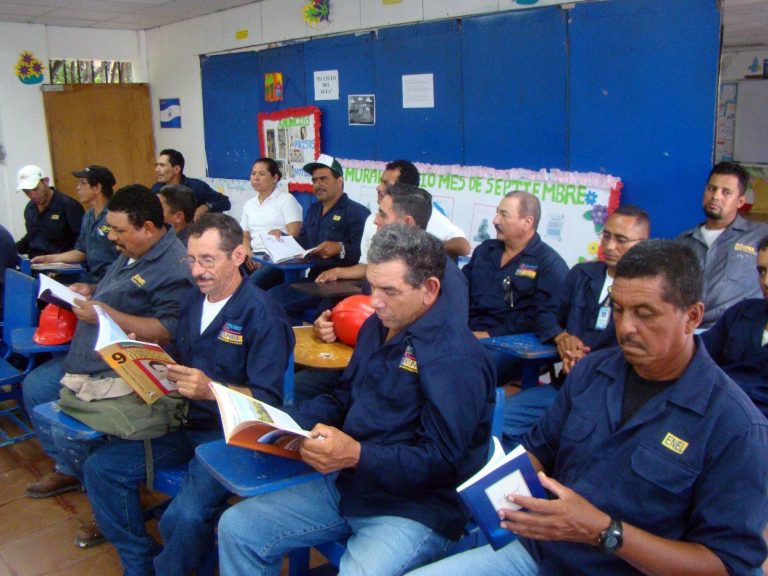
column 28, row 177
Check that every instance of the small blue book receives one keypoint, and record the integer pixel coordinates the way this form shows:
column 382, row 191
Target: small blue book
column 486, row 491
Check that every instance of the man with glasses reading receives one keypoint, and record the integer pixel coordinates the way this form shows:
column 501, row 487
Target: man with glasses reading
column 583, row 311
column 512, row 277
column 227, row 333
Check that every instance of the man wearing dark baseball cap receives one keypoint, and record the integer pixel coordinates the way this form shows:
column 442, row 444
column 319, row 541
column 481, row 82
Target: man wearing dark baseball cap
column 94, row 187
column 52, row 219
column 333, row 226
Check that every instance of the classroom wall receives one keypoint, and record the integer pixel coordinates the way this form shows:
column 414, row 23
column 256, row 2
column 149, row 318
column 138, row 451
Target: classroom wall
column 23, row 131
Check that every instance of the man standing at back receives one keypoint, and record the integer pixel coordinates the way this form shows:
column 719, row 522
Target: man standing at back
column 170, row 170
column 53, row 219
column 726, row 243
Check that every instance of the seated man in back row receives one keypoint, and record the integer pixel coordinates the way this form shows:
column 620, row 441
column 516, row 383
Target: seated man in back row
column 656, row 460
column 410, row 421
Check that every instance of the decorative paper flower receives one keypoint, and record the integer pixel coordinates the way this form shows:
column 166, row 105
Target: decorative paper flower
column 29, row 70
column 317, row 11
column 592, row 248
column 590, row 198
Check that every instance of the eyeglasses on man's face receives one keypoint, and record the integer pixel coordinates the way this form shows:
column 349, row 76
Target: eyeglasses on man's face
column 203, row 261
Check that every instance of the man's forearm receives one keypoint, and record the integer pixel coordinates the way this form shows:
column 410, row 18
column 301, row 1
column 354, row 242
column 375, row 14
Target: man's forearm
column 457, row 247
column 147, row 329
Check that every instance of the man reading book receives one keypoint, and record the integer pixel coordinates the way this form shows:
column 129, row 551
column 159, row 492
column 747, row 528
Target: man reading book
column 409, row 421
column 655, row 459
column 229, row 334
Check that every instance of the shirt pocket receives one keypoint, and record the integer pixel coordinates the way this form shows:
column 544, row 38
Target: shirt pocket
column 666, row 477
column 578, row 427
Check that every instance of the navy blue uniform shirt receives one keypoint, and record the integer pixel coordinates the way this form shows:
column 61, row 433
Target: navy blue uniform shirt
column 344, row 222
column 204, row 194
column 55, row 229
column 691, row 464
column 535, row 276
column 420, row 404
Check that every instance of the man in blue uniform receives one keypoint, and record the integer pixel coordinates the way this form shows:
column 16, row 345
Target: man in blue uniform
column 726, row 243
column 513, row 277
column 333, row 226
column 408, row 205
column 94, row 188
column 410, row 421
column 227, row 333
column 178, row 209
column 52, row 219
column 170, row 170
column 583, row 311
column 656, row 460
column 141, row 291
column 737, row 341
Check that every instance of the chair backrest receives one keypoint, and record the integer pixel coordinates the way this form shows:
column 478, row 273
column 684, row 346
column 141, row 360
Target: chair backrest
column 497, row 423
column 20, row 308
column 288, row 396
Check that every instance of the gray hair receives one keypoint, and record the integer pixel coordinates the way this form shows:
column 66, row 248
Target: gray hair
column 528, row 205
column 230, row 232
column 422, row 253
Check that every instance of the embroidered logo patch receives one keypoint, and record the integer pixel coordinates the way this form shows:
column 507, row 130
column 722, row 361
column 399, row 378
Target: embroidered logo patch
column 105, row 229
column 337, row 217
column 138, row 280
column 55, row 216
column 408, row 361
column 745, row 248
column 231, row 334
column 674, row 443
column 527, row 270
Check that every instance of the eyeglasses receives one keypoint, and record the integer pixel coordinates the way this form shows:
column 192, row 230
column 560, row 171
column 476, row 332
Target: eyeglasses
column 620, row 240
column 204, row 261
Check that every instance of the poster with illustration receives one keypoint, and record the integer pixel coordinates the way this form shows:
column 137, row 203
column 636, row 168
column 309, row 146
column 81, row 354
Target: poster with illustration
column 291, row 137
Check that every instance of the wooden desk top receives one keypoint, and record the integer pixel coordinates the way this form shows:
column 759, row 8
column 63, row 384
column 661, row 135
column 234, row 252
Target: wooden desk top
column 334, row 290
column 312, row 352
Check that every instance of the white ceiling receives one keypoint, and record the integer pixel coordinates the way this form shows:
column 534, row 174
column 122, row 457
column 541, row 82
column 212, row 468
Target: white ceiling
column 745, row 21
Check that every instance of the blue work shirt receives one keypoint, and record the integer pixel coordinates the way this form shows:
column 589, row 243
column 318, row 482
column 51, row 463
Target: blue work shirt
column 729, row 265
column 55, row 229
column 535, row 276
column 735, row 343
column 577, row 306
column 420, row 404
column 343, row 222
column 246, row 344
column 690, row 465
column 204, row 194
column 8, row 257
column 151, row 286
column 93, row 241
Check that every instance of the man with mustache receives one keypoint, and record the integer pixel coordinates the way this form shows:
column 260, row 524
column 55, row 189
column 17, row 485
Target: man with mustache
column 512, row 278
column 141, row 292
column 655, row 459
column 333, row 226
column 726, row 243
column 228, row 333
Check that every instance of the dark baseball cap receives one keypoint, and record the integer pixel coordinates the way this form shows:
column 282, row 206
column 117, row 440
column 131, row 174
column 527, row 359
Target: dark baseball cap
column 324, row 161
column 96, row 175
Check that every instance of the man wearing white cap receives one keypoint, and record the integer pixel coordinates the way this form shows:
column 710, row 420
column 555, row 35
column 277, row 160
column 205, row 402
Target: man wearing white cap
column 52, row 219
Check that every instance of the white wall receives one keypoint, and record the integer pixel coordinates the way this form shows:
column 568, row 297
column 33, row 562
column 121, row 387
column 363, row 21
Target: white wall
column 22, row 116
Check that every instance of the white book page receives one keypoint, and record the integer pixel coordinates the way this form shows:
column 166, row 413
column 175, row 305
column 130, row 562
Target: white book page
column 59, row 290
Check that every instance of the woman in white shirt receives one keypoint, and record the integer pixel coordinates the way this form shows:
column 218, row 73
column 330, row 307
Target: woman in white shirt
column 273, row 211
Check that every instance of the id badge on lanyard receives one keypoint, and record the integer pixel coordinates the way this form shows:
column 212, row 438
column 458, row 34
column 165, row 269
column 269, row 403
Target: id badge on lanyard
column 604, row 314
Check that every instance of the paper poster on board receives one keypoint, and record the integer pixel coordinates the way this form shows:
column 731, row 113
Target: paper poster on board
column 361, row 109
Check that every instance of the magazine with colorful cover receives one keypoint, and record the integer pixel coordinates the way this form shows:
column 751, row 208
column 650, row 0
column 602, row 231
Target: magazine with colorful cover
column 250, row 423
column 486, row 491
column 143, row 365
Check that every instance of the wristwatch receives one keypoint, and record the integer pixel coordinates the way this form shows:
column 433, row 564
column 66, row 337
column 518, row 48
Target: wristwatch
column 342, row 252
column 612, row 537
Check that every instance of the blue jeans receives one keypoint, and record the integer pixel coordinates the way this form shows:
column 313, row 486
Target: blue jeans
column 512, row 560
column 113, row 475
column 256, row 533
column 312, row 382
column 43, row 385
column 523, row 410
column 267, row 277
column 293, row 302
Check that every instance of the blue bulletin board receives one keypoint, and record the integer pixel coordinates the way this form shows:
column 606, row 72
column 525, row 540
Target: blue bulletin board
column 623, row 87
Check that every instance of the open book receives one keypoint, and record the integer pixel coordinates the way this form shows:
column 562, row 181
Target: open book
column 56, row 266
column 250, row 423
column 56, row 293
column 486, row 491
column 143, row 365
column 283, row 249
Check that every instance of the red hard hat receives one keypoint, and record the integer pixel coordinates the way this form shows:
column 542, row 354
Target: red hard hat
column 57, row 326
column 348, row 316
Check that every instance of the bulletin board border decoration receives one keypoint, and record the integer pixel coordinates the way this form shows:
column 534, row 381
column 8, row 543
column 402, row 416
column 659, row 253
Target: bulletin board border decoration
column 278, row 115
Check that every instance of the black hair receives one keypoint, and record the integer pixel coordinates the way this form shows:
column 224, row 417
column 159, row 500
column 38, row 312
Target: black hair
column 139, row 203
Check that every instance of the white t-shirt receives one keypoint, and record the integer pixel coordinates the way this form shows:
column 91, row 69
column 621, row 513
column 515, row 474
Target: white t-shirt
column 439, row 225
column 277, row 210
column 210, row 311
column 710, row 235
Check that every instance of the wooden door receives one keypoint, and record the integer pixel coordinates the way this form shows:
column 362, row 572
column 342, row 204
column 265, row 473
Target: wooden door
column 106, row 124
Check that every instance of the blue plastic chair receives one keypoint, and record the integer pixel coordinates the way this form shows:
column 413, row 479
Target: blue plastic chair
column 529, row 352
